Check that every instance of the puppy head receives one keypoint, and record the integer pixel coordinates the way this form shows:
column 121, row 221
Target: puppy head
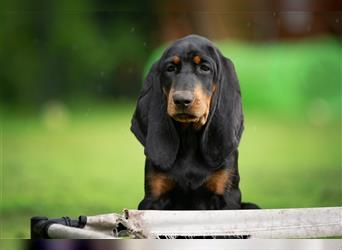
column 192, row 83
column 187, row 79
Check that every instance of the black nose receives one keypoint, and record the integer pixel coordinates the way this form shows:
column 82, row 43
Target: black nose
column 183, row 98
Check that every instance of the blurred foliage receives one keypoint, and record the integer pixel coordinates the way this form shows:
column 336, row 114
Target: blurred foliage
column 65, row 52
column 71, row 50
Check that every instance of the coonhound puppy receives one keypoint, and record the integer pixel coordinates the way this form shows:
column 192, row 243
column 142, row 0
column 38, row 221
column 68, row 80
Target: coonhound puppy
column 189, row 119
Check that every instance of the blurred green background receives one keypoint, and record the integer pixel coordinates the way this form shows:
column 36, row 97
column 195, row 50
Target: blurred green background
column 71, row 72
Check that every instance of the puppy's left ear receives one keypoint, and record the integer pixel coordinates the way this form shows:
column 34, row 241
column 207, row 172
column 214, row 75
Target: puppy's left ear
column 223, row 131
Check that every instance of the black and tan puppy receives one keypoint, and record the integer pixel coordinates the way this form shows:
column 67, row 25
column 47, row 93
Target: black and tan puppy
column 189, row 119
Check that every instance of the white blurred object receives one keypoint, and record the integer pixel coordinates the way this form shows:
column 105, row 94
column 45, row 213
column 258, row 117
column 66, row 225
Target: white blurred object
column 262, row 224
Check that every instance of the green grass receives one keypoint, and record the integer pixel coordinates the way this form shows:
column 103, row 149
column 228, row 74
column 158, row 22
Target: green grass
column 72, row 161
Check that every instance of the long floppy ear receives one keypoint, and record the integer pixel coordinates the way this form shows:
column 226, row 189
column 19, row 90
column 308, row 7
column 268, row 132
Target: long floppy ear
column 223, row 131
column 151, row 124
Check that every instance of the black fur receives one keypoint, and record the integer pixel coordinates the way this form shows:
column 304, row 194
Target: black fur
column 186, row 155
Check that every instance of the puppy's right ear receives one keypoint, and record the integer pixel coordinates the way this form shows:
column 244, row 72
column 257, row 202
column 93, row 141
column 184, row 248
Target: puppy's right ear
column 139, row 123
column 151, row 124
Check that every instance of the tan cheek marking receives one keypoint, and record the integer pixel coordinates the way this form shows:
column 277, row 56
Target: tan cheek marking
column 159, row 184
column 198, row 95
column 197, row 59
column 201, row 105
column 171, row 107
column 176, row 60
column 219, row 182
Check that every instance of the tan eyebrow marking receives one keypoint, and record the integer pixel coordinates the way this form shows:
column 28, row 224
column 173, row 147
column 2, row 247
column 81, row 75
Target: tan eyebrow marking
column 197, row 59
column 176, row 60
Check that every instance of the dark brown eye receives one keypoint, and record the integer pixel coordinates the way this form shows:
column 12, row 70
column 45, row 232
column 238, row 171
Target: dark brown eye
column 204, row 68
column 171, row 68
